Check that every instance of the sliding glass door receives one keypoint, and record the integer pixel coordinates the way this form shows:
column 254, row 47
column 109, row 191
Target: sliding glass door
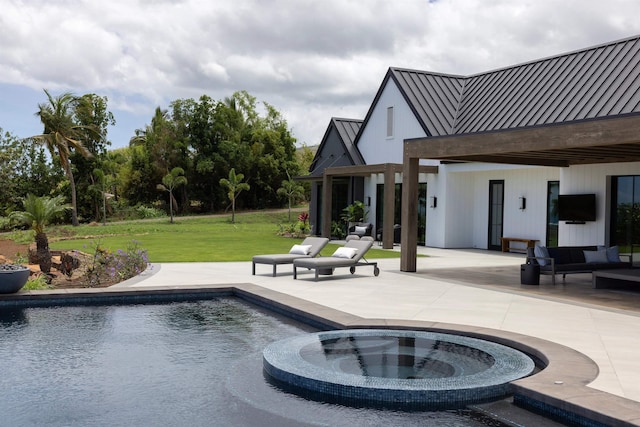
column 625, row 211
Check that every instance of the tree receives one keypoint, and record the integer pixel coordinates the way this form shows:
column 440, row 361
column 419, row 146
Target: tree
column 38, row 212
column 62, row 135
column 291, row 190
column 24, row 169
column 91, row 111
column 170, row 181
column 235, row 186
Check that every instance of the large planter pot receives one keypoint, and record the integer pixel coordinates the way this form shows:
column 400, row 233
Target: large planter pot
column 13, row 278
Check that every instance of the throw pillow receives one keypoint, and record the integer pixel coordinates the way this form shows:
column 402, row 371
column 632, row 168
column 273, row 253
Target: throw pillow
column 300, row 249
column 595, row 257
column 345, row 253
column 360, row 231
column 613, row 254
column 541, row 251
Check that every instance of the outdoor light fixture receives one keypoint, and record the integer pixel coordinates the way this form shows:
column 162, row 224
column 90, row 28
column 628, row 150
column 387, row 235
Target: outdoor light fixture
column 433, row 202
column 523, row 203
column 368, row 200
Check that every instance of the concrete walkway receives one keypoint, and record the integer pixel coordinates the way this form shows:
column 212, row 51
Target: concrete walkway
column 467, row 287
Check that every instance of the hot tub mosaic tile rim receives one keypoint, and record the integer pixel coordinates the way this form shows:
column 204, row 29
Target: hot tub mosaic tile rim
column 284, row 363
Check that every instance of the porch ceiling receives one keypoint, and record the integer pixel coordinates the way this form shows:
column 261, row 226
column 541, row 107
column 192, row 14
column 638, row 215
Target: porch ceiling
column 586, row 142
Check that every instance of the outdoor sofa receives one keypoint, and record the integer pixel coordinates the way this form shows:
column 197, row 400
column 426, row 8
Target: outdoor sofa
column 309, row 248
column 575, row 259
column 350, row 255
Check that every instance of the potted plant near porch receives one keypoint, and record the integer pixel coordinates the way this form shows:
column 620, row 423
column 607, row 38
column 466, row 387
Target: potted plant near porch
column 354, row 213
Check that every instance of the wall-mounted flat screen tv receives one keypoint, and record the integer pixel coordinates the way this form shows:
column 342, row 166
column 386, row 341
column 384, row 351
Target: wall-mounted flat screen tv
column 577, row 207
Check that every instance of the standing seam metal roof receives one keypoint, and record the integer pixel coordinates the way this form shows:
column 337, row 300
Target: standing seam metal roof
column 596, row 82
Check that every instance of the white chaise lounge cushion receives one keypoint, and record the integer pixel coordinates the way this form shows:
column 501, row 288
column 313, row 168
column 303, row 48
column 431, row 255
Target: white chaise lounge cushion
column 345, row 252
column 300, row 249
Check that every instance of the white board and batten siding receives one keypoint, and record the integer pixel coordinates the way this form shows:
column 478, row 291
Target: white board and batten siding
column 464, row 210
column 586, row 179
column 374, row 144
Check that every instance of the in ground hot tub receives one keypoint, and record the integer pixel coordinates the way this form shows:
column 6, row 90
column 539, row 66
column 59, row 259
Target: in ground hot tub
column 395, row 368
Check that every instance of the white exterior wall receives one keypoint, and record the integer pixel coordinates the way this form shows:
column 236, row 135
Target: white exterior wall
column 462, row 216
column 591, row 179
column 373, row 144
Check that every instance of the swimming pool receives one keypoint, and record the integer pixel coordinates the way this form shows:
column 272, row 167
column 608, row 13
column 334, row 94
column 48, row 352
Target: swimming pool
column 188, row 363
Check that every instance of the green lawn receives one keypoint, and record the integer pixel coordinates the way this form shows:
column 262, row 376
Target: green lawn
column 205, row 239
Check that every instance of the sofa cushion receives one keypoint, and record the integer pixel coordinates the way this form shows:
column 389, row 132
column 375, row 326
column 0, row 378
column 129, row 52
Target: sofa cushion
column 561, row 255
column 593, row 257
column 561, row 268
column 541, row 251
column 613, row 254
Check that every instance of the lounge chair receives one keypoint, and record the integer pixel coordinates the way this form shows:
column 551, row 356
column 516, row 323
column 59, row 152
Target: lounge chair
column 349, row 255
column 309, row 248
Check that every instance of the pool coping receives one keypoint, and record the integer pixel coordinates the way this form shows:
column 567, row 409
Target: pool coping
column 559, row 390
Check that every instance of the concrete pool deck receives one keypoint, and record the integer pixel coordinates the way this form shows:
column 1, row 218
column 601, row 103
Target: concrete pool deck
column 475, row 289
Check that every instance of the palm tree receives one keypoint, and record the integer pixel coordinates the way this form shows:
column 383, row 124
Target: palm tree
column 173, row 179
column 38, row 212
column 61, row 134
column 235, row 186
column 291, row 190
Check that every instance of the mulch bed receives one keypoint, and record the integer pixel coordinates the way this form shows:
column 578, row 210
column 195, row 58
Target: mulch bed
column 11, row 250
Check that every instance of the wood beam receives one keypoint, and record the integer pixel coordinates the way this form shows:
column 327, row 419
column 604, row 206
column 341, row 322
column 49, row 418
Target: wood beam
column 566, row 136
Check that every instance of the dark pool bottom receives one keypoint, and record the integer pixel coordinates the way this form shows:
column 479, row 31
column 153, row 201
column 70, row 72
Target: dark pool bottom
column 395, row 368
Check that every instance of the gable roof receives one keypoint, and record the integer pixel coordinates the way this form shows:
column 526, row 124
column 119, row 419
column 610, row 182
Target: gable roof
column 596, row 82
column 347, row 130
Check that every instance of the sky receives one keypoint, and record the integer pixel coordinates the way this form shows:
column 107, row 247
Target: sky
column 311, row 60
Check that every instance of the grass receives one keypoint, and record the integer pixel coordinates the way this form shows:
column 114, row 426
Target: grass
column 193, row 239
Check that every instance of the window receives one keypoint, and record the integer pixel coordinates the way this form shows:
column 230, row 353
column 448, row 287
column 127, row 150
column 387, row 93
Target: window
column 389, row 122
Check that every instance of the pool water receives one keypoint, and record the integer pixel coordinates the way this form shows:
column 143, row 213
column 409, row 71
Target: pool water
column 178, row 364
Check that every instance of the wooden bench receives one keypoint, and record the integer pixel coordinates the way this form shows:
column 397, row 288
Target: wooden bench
column 506, row 244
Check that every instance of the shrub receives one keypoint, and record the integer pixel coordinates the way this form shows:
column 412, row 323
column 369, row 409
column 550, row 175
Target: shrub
column 37, row 283
column 145, row 212
column 5, row 223
column 113, row 267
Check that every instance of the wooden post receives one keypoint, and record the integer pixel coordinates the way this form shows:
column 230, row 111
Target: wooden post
column 327, row 195
column 388, row 206
column 409, row 239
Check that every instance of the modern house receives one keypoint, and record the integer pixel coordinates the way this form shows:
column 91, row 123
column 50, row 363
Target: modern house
column 477, row 158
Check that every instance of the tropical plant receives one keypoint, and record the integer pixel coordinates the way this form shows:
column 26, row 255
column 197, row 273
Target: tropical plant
column 170, row 181
column 291, row 190
column 61, row 135
column 355, row 212
column 235, row 186
column 337, row 230
column 38, row 212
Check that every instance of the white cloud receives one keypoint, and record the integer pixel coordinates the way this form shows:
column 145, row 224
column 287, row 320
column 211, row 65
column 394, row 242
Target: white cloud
column 310, row 59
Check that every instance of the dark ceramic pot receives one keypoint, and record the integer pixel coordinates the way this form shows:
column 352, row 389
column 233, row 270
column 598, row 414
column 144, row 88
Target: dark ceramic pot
column 12, row 281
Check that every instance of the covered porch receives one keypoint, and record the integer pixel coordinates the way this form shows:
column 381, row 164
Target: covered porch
column 610, row 140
